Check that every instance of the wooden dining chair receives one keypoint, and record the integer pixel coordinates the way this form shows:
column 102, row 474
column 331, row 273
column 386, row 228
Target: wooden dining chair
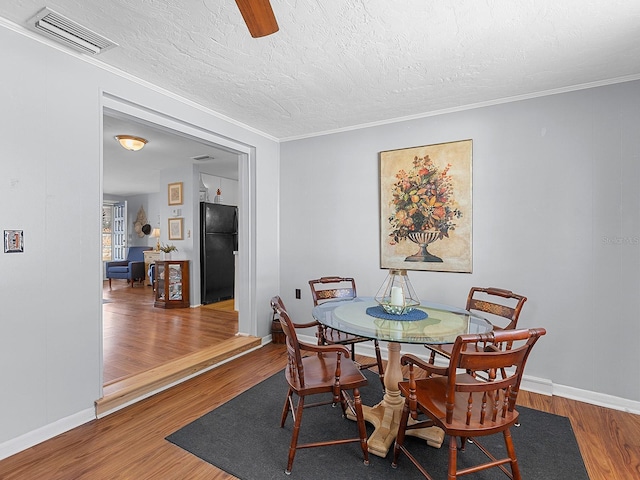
column 326, row 289
column 496, row 305
column 464, row 406
column 328, row 370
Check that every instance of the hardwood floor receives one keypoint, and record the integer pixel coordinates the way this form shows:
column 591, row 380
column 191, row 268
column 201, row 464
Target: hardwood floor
column 137, row 336
column 130, row 443
column 148, row 348
column 609, row 439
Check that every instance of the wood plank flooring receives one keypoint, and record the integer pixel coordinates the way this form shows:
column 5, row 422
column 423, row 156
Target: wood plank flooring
column 138, row 337
column 148, row 348
column 129, row 444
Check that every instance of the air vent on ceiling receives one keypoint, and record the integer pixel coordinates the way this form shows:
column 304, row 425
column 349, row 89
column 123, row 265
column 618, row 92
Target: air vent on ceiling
column 60, row 28
column 202, row 158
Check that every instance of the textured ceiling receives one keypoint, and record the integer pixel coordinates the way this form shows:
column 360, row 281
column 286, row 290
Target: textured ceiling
column 336, row 64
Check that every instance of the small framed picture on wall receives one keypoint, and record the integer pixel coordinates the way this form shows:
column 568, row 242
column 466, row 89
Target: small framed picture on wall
column 175, row 193
column 176, row 228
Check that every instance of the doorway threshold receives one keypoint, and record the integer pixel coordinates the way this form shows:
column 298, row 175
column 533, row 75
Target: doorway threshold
column 125, row 391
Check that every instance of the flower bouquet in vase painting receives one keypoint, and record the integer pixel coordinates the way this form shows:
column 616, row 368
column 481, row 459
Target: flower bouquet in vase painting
column 423, row 207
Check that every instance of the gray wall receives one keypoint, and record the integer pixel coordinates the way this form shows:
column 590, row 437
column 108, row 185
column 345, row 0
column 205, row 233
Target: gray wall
column 50, row 325
column 556, row 217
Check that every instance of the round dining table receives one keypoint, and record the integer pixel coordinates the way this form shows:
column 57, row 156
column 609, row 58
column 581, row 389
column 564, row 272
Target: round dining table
column 443, row 323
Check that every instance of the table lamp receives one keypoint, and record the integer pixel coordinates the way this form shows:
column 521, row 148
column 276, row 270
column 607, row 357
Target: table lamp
column 156, row 234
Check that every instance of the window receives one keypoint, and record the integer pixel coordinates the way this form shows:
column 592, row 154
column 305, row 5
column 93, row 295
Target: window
column 107, row 232
column 114, row 230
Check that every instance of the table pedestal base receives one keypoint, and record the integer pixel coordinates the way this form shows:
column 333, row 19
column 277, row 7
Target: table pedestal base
column 385, row 420
column 385, row 416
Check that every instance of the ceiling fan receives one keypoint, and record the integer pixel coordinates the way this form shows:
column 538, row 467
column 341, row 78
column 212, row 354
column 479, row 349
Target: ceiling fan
column 258, row 16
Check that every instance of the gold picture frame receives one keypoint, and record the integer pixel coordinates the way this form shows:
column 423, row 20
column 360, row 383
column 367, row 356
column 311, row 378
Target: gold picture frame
column 176, row 228
column 426, row 208
column 175, row 193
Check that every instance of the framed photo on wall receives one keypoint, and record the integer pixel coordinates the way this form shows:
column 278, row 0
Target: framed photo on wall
column 426, row 209
column 176, row 228
column 175, row 193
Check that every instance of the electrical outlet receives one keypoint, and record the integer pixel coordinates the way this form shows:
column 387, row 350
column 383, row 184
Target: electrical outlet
column 298, row 293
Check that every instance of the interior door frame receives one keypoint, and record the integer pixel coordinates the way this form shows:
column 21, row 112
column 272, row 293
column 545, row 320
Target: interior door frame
column 247, row 317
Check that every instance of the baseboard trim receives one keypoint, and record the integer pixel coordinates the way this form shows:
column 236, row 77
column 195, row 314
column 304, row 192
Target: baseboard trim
column 595, row 398
column 39, row 435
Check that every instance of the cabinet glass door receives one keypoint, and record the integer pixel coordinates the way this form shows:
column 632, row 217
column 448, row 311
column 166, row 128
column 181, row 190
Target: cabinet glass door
column 160, row 281
column 175, row 282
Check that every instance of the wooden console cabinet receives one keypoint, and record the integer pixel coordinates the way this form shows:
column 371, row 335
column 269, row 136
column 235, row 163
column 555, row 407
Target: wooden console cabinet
column 172, row 284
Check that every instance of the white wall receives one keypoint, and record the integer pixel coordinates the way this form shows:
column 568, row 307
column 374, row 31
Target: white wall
column 556, row 217
column 50, row 325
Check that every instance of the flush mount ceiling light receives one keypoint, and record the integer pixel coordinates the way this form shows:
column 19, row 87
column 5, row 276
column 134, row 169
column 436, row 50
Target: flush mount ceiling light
column 130, row 142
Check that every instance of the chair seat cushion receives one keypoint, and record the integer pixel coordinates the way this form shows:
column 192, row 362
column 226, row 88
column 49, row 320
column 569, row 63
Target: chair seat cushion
column 117, row 263
column 431, row 394
column 119, row 269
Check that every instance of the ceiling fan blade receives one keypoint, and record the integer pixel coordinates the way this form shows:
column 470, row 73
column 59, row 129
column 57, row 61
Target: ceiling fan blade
column 258, row 16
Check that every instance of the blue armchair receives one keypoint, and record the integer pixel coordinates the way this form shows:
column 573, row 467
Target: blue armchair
column 131, row 269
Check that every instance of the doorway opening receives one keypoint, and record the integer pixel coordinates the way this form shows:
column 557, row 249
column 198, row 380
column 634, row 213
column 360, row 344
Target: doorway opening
column 235, row 156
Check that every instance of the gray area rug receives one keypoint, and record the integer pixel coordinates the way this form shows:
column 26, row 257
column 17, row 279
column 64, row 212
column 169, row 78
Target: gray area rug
column 243, row 438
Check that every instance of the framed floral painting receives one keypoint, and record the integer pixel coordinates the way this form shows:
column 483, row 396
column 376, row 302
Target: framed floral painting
column 426, row 208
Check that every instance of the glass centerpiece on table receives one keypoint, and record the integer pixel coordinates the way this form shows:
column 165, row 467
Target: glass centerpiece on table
column 396, row 295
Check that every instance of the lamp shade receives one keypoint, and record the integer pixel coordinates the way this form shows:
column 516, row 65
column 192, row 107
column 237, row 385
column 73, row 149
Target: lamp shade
column 130, row 142
column 156, row 234
column 396, row 295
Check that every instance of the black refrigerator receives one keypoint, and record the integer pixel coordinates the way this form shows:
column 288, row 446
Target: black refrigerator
column 218, row 242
